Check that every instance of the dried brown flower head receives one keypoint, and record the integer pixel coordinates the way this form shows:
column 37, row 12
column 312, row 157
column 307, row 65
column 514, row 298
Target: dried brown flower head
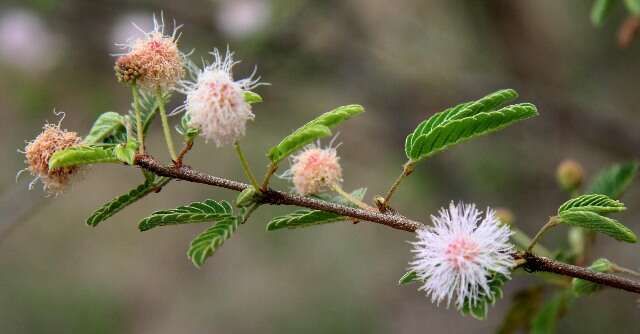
column 39, row 151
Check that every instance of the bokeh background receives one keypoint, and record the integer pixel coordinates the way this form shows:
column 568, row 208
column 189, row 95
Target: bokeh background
column 403, row 60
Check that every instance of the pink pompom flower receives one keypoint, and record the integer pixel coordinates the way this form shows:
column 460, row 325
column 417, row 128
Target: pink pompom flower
column 215, row 102
column 456, row 257
column 315, row 169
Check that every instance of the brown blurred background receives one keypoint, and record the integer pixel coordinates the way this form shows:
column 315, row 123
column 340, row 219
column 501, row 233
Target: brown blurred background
column 403, row 60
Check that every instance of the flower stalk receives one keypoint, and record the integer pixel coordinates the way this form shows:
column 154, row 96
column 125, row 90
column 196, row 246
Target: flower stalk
column 245, row 167
column 165, row 126
column 136, row 110
column 362, row 205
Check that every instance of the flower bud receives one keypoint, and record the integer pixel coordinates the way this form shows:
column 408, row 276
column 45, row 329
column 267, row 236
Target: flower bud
column 569, row 175
column 505, row 216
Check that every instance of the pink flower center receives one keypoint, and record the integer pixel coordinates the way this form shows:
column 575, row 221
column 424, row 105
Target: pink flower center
column 223, row 93
column 461, row 251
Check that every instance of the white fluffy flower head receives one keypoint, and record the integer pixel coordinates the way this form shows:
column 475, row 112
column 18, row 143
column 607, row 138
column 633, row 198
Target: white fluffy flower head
column 314, row 169
column 460, row 252
column 215, row 102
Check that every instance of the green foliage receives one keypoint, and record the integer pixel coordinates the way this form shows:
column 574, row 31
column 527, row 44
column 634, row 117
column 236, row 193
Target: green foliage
column 197, row 212
column 114, row 206
column 614, row 180
column 185, row 130
column 600, row 11
column 524, row 306
column 595, row 222
column 545, row 321
column 582, row 287
column 466, row 109
column 148, row 106
column 480, row 308
column 206, row 243
column 592, row 202
column 252, row 97
column 464, row 122
column 106, row 124
column 306, row 218
column 633, row 6
column 82, row 155
column 408, row 277
column 315, row 129
column 247, row 197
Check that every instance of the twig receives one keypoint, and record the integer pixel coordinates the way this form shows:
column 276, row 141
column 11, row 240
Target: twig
column 553, row 221
column 533, row 263
column 407, row 169
column 536, row 263
column 187, row 147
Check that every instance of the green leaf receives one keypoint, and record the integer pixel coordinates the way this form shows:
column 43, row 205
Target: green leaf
column 601, row 10
column 306, row 218
column 82, row 155
column 205, row 244
column 614, row 180
column 423, row 145
column 125, row 153
column 317, row 128
column 251, row 97
column 480, row 308
column 120, row 202
column 582, row 287
column 196, row 212
column 105, row 125
column 592, row 202
column 466, row 109
column 633, row 6
column 545, row 321
column 595, row 222
column 185, row 130
column 408, row 277
column 247, row 197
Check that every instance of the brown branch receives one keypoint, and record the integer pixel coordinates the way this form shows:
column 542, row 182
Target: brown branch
column 536, row 263
column 533, row 262
column 277, row 197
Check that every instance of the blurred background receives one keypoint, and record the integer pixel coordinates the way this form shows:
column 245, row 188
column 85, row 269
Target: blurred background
column 403, row 60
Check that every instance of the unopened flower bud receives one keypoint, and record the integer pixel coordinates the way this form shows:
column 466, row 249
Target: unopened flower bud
column 569, row 175
column 505, row 216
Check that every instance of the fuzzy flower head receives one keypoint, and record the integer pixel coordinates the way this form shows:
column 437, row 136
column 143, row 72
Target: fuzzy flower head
column 215, row 102
column 39, row 151
column 314, row 169
column 456, row 257
column 152, row 61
